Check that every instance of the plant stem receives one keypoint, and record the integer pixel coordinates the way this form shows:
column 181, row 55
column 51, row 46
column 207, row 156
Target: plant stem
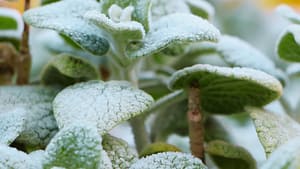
column 24, row 61
column 194, row 115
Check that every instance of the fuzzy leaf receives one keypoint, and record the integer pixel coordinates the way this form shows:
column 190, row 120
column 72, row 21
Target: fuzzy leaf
column 227, row 156
column 201, row 8
column 104, row 104
column 40, row 125
column 141, row 11
column 171, row 29
column 162, row 8
column 273, row 130
column 11, row 158
column 158, row 147
column 105, row 161
column 119, row 152
column 286, row 156
column 75, row 146
column 38, row 157
column 237, row 52
column 12, row 123
column 66, row 17
column 288, row 13
column 228, row 90
column 288, row 47
column 168, row 160
column 65, row 70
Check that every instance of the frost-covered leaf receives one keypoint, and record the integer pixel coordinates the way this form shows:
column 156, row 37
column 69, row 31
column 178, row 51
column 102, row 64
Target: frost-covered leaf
column 104, row 104
column 288, row 13
column 288, row 46
column 119, row 152
column 174, row 28
column 286, row 156
column 201, row 8
column 38, row 157
column 169, row 160
column 226, row 90
column 66, row 17
column 40, row 125
column 227, row 156
column 158, row 147
column 237, row 52
column 293, row 70
column 12, row 123
column 75, row 146
column 165, row 7
column 273, row 130
column 141, row 11
column 65, row 70
column 11, row 26
column 11, row 158
column 105, row 161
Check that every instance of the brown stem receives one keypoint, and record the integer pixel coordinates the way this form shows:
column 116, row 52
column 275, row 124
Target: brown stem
column 24, row 61
column 8, row 55
column 195, row 123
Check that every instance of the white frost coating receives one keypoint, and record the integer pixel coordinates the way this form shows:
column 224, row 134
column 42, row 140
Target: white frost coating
column 126, row 14
column 105, row 162
column 169, row 160
column 293, row 69
column 40, row 125
column 11, row 158
column 164, row 7
column 285, row 157
column 294, row 30
column 114, row 13
column 75, row 146
column 175, row 28
column 249, row 74
column 273, row 130
column 237, row 52
column 12, row 123
column 104, row 104
column 203, row 5
column 288, row 13
column 121, row 155
column 20, row 26
column 38, row 157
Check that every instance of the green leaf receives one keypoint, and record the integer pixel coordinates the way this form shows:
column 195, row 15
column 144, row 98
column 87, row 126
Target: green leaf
column 273, row 130
column 173, row 28
column 214, row 130
column 227, row 156
column 40, row 125
column 168, row 160
column 141, row 11
column 104, row 104
column 65, row 70
column 201, row 8
column 120, row 153
column 288, row 13
column 11, row 158
column 286, row 156
column 75, row 146
column 288, row 46
column 12, row 124
column 237, row 52
column 158, row 147
column 45, row 2
column 226, row 90
column 66, row 17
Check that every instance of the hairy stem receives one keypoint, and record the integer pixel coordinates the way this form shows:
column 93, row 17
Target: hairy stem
column 24, row 61
column 196, row 131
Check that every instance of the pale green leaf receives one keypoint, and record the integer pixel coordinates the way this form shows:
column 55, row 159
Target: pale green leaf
column 40, row 125
column 169, row 160
column 75, row 146
column 66, row 17
column 11, row 158
column 201, row 8
column 215, row 130
column 287, row 156
column 171, row 29
column 237, row 52
column 120, row 153
column 65, row 70
column 228, row 156
column 141, row 11
column 104, row 104
column 158, row 147
column 226, row 90
column 273, row 130
column 12, row 123
column 288, row 46
column 288, row 13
